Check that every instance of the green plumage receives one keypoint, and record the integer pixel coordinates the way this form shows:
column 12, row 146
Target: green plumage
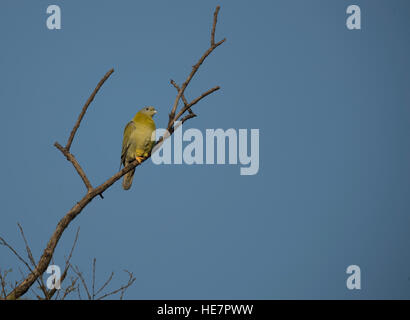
column 138, row 141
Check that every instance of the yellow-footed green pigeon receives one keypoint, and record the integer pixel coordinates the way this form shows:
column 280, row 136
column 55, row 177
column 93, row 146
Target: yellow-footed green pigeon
column 138, row 141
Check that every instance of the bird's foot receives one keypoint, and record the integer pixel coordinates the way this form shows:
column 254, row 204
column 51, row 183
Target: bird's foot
column 139, row 159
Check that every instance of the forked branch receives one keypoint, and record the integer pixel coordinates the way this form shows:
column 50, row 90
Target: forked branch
column 181, row 90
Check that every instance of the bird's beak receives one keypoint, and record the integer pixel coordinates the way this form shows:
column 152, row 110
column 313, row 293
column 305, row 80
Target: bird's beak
column 155, row 111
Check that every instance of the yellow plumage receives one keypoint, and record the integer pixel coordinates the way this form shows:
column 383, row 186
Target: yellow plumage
column 138, row 141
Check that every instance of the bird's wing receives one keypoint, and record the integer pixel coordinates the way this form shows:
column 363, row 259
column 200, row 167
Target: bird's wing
column 129, row 128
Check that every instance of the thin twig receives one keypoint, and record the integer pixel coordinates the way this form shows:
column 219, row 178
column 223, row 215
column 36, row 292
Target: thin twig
column 106, row 283
column 93, row 284
column 214, row 25
column 195, row 101
column 122, row 288
column 80, row 275
column 40, row 281
column 29, row 254
column 70, row 288
column 79, row 292
column 70, row 157
column 183, row 96
column 3, row 282
column 85, row 107
column 4, row 243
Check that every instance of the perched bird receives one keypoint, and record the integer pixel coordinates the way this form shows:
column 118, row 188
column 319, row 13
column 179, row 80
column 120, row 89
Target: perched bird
column 138, row 141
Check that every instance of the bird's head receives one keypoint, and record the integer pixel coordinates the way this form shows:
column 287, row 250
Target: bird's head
column 149, row 111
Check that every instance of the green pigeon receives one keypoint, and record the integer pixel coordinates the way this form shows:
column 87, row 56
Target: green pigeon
column 138, row 141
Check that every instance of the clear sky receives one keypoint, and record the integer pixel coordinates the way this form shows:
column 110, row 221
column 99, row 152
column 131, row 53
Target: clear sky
column 332, row 106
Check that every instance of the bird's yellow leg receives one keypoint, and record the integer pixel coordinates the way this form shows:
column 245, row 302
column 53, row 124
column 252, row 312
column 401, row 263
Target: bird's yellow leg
column 139, row 159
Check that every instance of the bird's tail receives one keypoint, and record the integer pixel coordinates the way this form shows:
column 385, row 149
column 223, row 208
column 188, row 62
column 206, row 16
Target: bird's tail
column 127, row 181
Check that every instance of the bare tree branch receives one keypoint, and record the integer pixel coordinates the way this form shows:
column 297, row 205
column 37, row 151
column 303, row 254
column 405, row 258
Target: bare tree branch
column 92, row 294
column 80, row 275
column 195, row 101
column 40, row 281
column 83, row 111
column 92, row 192
column 4, row 243
column 106, row 283
column 122, row 289
column 93, row 284
column 183, row 96
column 214, row 25
column 71, row 288
column 29, row 254
column 3, row 283
column 70, row 157
column 195, row 69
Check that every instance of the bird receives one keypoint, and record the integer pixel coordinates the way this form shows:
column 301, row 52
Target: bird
column 138, row 141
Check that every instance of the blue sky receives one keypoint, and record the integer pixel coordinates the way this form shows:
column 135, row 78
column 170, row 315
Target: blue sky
column 332, row 106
